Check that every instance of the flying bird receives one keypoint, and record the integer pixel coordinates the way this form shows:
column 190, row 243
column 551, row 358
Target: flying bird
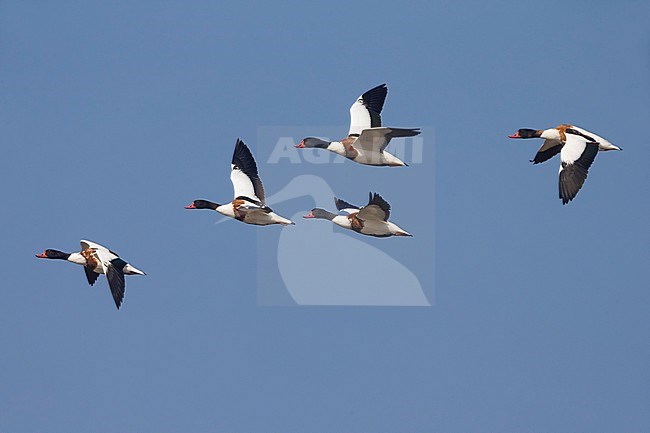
column 577, row 148
column 366, row 139
column 97, row 260
column 555, row 138
column 370, row 220
column 248, row 206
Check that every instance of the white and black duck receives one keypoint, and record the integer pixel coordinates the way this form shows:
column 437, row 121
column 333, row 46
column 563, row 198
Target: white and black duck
column 577, row 148
column 98, row 260
column 370, row 220
column 367, row 139
column 248, row 206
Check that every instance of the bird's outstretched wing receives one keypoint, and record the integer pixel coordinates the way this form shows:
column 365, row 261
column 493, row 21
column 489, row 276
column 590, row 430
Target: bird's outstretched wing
column 89, row 245
column 366, row 111
column 114, row 270
column 91, row 275
column 245, row 179
column 375, row 140
column 576, row 156
column 376, row 209
column 344, row 206
column 548, row 150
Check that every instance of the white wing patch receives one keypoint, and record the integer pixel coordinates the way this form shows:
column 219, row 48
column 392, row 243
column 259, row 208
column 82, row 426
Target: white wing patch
column 597, row 138
column 242, row 184
column 359, row 117
column 366, row 111
column 87, row 245
column 105, row 258
column 573, row 149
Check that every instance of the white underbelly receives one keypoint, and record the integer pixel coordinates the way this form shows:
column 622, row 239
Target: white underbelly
column 378, row 158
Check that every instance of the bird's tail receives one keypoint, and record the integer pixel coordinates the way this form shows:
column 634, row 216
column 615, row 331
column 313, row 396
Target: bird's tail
column 131, row 270
column 277, row 219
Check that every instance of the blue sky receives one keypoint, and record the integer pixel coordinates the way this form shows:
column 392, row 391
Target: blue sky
column 116, row 115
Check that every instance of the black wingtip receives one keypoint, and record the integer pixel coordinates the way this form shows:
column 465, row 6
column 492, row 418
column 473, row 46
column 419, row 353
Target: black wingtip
column 240, row 143
column 373, row 100
column 376, row 198
column 240, row 147
column 342, row 204
column 116, row 281
column 380, row 86
column 242, row 157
